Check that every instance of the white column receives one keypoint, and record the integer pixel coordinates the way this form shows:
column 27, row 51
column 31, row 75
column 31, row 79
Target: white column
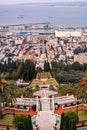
column 53, row 103
column 37, row 105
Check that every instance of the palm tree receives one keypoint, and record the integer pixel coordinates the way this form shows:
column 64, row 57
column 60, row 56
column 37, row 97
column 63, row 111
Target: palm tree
column 81, row 91
column 21, row 93
column 3, row 83
column 83, row 82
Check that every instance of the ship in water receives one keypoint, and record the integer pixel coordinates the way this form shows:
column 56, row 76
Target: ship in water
column 50, row 17
column 20, row 17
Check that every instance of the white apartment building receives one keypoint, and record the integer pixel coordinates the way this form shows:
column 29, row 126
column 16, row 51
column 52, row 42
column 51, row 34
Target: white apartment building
column 81, row 58
column 68, row 33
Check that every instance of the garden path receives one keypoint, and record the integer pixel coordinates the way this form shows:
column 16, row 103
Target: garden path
column 46, row 120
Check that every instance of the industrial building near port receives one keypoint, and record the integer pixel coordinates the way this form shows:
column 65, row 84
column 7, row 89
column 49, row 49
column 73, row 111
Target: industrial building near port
column 68, row 33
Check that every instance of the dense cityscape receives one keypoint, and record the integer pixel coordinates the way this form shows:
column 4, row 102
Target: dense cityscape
column 43, row 77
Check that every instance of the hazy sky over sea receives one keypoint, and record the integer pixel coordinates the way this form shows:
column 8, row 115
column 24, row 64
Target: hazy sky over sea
column 27, row 1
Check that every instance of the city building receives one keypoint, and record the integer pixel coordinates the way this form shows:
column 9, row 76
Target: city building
column 81, row 58
column 68, row 33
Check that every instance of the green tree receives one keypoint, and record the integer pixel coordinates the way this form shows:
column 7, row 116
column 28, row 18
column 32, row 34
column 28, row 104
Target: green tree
column 7, row 127
column 1, row 115
column 69, row 90
column 26, row 70
column 76, row 66
column 70, row 118
column 30, row 123
column 3, row 83
column 62, row 120
column 58, row 65
column 20, row 70
column 23, row 122
column 54, row 65
column 19, row 119
column 20, row 126
column 29, row 71
column 81, row 90
column 84, row 67
column 46, row 66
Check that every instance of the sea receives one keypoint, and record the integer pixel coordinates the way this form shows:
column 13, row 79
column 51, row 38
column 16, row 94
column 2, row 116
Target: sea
column 29, row 13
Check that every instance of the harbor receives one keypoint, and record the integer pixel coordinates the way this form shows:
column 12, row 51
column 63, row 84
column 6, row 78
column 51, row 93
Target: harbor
column 45, row 28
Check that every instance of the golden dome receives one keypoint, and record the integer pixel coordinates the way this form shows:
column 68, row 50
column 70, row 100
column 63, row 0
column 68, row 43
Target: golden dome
column 43, row 56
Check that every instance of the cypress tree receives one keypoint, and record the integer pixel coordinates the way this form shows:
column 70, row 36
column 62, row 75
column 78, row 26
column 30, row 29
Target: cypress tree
column 20, row 126
column 1, row 115
column 7, row 127
column 25, row 124
column 30, row 127
column 62, row 120
column 70, row 125
column 68, row 121
column 46, row 66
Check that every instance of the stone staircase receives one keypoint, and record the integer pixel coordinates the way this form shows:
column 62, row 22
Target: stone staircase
column 46, row 120
column 45, row 105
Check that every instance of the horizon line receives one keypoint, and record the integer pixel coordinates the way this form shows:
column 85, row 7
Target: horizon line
column 42, row 2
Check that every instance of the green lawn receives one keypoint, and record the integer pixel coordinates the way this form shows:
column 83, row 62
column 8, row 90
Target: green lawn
column 82, row 115
column 7, row 119
column 35, row 83
column 83, row 129
column 52, row 82
column 44, row 75
column 48, row 82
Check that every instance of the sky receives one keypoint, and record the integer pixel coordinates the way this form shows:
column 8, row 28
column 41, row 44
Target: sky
column 27, row 1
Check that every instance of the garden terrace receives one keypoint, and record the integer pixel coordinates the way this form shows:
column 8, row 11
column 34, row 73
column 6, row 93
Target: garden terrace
column 3, row 127
column 60, row 110
column 83, row 129
column 35, row 83
column 44, row 78
column 82, row 115
column 52, row 82
column 43, row 75
column 81, row 110
column 8, row 116
column 30, row 112
column 7, row 119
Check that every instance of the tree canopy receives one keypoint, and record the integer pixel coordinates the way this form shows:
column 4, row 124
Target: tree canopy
column 26, row 70
column 70, row 118
column 23, row 122
column 3, row 83
column 46, row 67
column 61, row 66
